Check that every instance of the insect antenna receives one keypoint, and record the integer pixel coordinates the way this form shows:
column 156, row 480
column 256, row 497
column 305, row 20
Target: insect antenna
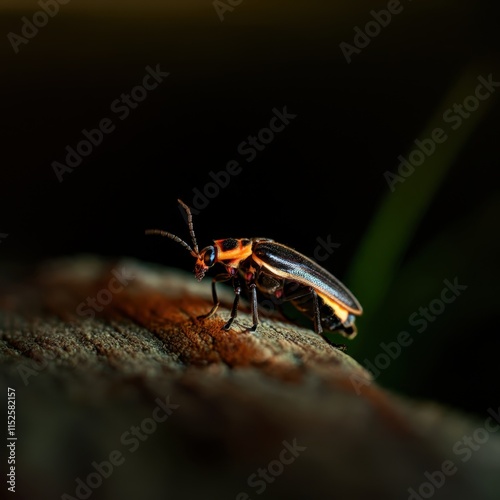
column 190, row 224
column 195, row 252
column 175, row 238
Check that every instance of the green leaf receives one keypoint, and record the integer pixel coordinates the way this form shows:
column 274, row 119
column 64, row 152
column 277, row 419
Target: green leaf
column 393, row 226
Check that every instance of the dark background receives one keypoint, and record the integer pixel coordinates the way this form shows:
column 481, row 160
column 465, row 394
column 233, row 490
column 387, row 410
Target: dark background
column 323, row 175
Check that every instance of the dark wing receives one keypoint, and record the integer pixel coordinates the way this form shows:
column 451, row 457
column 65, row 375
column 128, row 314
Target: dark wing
column 287, row 262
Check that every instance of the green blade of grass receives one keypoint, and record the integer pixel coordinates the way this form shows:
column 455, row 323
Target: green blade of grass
column 400, row 212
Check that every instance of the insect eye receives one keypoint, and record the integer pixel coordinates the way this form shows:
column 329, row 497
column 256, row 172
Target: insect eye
column 209, row 256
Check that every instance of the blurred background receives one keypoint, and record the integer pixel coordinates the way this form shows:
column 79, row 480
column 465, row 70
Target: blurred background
column 353, row 102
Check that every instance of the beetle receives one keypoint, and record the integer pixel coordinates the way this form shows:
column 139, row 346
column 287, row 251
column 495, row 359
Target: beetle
column 279, row 273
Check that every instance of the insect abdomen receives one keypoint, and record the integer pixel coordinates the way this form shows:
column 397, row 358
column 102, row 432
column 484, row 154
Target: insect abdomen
column 329, row 314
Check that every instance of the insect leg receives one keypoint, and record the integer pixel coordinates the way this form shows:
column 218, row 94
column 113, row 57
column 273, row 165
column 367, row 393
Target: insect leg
column 234, row 310
column 316, row 312
column 300, row 292
column 219, row 277
column 254, row 306
column 296, row 292
column 317, row 323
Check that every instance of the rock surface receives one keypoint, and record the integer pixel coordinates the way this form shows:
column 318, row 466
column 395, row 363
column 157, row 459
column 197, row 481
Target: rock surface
column 132, row 397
